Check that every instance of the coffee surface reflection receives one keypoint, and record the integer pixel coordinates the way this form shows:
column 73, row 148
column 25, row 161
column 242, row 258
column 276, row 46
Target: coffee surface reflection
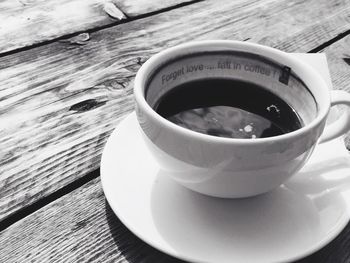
column 228, row 108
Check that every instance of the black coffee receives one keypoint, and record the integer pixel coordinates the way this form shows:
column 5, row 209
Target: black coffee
column 228, row 108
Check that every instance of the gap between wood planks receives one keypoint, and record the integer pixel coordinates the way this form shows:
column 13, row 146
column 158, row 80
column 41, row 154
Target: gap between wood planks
column 329, row 42
column 126, row 20
column 26, row 211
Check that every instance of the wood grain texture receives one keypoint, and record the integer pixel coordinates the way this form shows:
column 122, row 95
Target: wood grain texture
column 28, row 22
column 59, row 102
column 81, row 227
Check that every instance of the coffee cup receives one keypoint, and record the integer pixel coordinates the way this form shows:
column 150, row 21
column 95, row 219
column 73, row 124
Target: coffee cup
column 233, row 119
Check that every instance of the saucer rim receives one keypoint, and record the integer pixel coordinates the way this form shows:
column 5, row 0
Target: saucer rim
column 327, row 238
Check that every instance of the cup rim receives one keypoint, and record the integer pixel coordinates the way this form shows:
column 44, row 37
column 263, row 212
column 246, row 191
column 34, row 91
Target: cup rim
column 305, row 72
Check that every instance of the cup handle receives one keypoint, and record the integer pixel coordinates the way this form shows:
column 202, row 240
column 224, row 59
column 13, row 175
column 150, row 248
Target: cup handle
column 342, row 124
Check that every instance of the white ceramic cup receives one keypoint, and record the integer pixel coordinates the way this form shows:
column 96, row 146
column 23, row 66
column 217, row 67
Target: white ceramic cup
column 230, row 167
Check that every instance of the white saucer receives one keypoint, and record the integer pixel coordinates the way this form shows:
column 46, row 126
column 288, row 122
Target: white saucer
column 289, row 223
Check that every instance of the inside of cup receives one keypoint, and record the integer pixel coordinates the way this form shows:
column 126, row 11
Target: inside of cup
column 236, row 65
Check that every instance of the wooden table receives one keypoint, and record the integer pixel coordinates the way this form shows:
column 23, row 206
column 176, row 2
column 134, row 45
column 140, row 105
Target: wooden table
column 66, row 77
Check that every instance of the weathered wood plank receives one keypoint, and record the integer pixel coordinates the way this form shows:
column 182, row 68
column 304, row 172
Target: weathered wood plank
column 28, row 22
column 59, row 102
column 338, row 57
column 80, row 227
column 133, row 8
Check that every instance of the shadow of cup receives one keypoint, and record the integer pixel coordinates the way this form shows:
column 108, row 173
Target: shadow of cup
column 129, row 246
column 287, row 218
